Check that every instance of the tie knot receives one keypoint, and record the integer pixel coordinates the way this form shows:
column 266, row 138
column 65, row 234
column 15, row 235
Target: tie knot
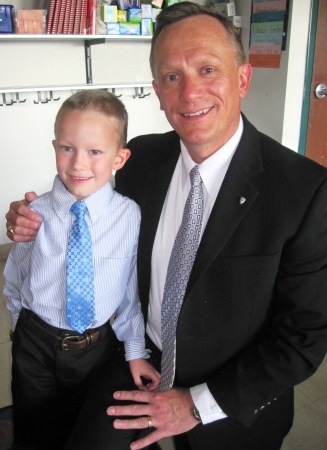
column 79, row 209
column 195, row 176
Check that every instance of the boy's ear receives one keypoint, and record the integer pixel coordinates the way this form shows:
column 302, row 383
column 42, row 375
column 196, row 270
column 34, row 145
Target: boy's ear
column 54, row 142
column 121, row 158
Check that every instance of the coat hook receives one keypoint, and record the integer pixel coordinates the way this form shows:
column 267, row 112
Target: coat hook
column 139, row 92
column 113, row 90
column 39, row 99
column 17, row 99
column 5, row 102
column 52, row 97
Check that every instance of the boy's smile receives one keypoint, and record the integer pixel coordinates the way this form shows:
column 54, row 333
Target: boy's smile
column 87, row 149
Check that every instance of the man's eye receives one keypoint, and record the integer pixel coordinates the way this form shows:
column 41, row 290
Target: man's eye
column 67, row 149
column 172, row 77
column 209, row 69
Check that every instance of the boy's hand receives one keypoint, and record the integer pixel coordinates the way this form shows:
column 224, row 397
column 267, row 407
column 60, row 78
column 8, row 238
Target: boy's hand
column 140, row 368
column 22, row 223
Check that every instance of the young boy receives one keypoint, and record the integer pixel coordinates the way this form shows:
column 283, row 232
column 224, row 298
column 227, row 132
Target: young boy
column 56, row 354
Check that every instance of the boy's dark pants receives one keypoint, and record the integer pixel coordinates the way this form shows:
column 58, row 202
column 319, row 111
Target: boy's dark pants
column 50, row 379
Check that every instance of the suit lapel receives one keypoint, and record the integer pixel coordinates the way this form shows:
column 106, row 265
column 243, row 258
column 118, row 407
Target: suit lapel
column 227, row 213
column 235, row 198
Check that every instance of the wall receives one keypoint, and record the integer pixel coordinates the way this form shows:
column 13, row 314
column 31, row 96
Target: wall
column 274, row 102
column 27, row 160
column 26, row 129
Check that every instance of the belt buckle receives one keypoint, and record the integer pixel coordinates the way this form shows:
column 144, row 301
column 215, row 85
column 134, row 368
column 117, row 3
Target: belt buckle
column 69, row 337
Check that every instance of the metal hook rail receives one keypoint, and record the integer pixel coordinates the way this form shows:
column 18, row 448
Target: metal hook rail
column 11, row 95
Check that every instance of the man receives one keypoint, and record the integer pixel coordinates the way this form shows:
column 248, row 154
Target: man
column 253, row 322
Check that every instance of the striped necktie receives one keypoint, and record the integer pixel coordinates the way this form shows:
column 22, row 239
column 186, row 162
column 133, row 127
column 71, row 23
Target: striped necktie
column 179, row 268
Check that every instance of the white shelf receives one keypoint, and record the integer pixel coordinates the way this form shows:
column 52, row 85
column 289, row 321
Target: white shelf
column 89, row 40
column 71, row 37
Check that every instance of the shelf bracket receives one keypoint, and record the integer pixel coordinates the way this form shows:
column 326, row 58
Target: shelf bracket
column 88, row 57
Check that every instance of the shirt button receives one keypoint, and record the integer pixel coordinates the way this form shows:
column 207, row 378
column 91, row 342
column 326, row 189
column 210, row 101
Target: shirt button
column 213, row 407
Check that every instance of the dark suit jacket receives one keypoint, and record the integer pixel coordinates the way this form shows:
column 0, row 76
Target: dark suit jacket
column 254, row 318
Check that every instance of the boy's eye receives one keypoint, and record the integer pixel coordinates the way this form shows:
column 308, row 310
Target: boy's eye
column 66, row 149
column 95, row 152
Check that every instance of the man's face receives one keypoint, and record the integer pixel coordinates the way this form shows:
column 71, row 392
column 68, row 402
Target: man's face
column 199, row 84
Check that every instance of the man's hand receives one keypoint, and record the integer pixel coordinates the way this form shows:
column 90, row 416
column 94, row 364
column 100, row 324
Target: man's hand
column 169, row 413
column 22, row 223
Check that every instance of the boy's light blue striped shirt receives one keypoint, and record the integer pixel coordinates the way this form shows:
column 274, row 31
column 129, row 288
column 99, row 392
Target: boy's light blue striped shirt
column 35, row 273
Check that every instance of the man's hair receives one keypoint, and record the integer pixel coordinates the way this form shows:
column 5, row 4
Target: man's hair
column 184, row 10
column 100, row 101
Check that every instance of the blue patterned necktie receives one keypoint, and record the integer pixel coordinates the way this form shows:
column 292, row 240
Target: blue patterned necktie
column 179, row 268
column 79, row 272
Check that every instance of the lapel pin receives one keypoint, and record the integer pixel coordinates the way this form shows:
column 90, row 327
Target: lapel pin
column 242, row 200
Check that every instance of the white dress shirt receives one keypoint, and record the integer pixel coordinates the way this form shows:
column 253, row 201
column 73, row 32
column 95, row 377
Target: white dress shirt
column 212, row 171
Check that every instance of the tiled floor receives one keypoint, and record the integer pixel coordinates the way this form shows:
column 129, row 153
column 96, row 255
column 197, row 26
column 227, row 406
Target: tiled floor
column 309, row 431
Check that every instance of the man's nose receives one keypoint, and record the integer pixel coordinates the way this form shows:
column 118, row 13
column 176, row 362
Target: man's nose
column 191, row 88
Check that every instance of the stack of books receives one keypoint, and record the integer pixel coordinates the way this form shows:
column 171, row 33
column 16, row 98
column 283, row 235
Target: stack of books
column 71, row 17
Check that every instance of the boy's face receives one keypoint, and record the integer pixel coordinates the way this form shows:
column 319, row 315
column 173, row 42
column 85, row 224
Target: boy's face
column 87, row 149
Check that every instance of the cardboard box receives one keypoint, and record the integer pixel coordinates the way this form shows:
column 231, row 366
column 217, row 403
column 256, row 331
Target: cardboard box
column 225, row 9
column 130, row 29
column 134, row 15
column 108, row 13
column 113, row 28
column 171, row 2
column 135, row 3
column 155, row 12
column 30, row 21
column 123, row 4
column 157, row 3
column 146, row 27
column 6, row 23
column 146, row 11
column 237, row 21
column 121, row 16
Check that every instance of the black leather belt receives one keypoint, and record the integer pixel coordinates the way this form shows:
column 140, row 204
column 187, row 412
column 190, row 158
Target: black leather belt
column 65, row 339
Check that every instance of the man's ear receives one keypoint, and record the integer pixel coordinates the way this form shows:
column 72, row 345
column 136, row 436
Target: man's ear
column 156, row 90
column 245, row 75
column 54, row 143
column 121, row 158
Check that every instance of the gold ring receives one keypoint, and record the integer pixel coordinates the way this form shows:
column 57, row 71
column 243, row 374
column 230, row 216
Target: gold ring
column 10, row 229
column 150, row 425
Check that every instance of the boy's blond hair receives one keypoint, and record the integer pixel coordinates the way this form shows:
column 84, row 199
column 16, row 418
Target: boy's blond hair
column 101, row 101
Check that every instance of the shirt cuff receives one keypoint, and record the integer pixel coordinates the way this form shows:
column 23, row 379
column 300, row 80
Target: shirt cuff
column 135, row 350
column 207, row 406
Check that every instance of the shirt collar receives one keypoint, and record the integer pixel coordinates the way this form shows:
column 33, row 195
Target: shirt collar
column 96, row 203
column 218, row 160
